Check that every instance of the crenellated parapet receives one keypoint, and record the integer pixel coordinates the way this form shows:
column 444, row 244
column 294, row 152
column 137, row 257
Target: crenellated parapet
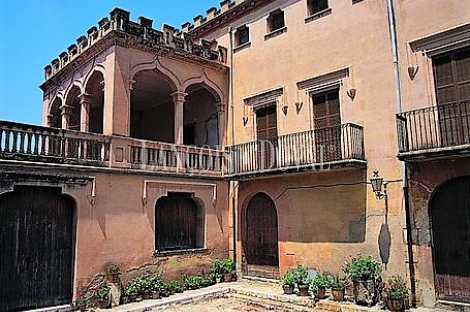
column 139, row 33
column 217, row 18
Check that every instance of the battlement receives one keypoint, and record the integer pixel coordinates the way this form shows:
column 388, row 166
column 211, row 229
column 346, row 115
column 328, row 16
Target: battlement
column 221, row 17
column 119, row 21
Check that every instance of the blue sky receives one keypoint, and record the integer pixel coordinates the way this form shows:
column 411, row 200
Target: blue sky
column 34, row 32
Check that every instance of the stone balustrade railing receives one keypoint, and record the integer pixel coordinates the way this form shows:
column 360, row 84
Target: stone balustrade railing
column 37, row 144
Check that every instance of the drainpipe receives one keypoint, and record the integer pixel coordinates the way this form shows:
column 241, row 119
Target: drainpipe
column 233, row 184
column 396, row 75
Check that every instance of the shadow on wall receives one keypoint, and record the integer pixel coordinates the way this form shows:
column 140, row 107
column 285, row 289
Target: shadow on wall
column 327, row 210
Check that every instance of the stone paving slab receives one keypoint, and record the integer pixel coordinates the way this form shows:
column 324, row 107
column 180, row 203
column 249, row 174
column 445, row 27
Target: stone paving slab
column 267, row 294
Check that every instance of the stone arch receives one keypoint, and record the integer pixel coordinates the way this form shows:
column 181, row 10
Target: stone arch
column 93, row 102
column 155, row 64
column 152, row 110
column 72, row 107
column 54, row 116
column 201, row 117
column 210, row 85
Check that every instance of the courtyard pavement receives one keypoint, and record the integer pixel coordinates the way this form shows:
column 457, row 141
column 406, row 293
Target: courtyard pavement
column 254, row 295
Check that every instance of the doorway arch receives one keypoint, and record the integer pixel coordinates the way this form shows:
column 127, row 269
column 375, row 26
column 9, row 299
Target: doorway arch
column 449, row 210
column 37, row 232
column 260, row 240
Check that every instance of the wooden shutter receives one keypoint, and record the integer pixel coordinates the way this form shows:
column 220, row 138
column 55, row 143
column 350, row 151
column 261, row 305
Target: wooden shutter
column 266, row 133
column 452, row 82
column 327, row 122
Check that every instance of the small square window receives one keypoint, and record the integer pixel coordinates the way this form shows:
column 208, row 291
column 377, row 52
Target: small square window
column 316, row 6
column 276, row 20
column 242, row 35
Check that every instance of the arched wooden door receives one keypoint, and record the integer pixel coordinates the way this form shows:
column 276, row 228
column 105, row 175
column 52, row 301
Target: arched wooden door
column 450, row 221
column 36, row 244
column 261, row 238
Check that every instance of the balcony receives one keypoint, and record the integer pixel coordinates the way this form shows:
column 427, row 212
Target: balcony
column 36, row 144
column 317, row 149
column 441, row 131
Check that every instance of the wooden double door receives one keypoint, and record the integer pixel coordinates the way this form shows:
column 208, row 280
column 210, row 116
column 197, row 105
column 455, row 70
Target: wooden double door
column 36, row 244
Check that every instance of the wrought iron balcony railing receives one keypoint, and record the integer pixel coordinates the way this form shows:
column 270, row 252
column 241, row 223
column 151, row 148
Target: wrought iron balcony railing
column 435, row 128
column 315, row 149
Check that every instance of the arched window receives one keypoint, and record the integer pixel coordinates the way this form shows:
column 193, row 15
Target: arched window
column 179, row 223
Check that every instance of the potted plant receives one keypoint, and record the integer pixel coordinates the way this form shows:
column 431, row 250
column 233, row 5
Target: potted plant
column 145, row 286
column 101, row 296
column 82, row 303
column 302, row 280
column 227, row 268
column 155, row 282
column 338, row 286
column 112, row 272
column 288, row 282
column 363, row 272
column 318, row 285
column 133, row 289
column 396, row 290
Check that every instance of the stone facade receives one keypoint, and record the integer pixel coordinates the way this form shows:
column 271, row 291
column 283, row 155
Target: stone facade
column 302, row 99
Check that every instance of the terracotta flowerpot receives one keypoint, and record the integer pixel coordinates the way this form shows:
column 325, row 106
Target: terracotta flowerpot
column 338, row 294
column 132, row 297
column 155, row 294
column 228, row 277
column 288, row 289
column 321, row 294
column 303, row 290
column 146, row 294
column 112, row 278
column 82, row 307
column 102, row 303
column 395, row 304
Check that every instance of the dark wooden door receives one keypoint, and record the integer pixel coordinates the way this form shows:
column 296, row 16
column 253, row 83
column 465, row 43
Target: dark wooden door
column 327, row 123
column 261, row 237
column 36, row 243
column 266, row 135
column 452, row 81
column 450, row 220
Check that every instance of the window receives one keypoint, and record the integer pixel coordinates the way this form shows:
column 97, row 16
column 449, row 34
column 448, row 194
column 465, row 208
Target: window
column 242, row 35
column 266, row 134
column 276, row 20
column 317, row 9
column 316, row 6
column 178, row 223
column 452, row 83
column 327, row 122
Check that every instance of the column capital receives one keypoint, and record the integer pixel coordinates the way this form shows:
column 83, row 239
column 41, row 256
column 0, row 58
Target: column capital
column 66, row 109
column 131, row 84
column 85, row 98
column 51, row 119
column 179, row 96
column 220, row 107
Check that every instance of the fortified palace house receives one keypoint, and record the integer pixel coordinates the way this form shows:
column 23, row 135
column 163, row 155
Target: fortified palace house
column 253, row 133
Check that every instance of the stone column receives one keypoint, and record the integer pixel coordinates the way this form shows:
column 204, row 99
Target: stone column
column 51, row 120
column 221, row 119
column 178, row 101
column 66, row 111
column 85, row 103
